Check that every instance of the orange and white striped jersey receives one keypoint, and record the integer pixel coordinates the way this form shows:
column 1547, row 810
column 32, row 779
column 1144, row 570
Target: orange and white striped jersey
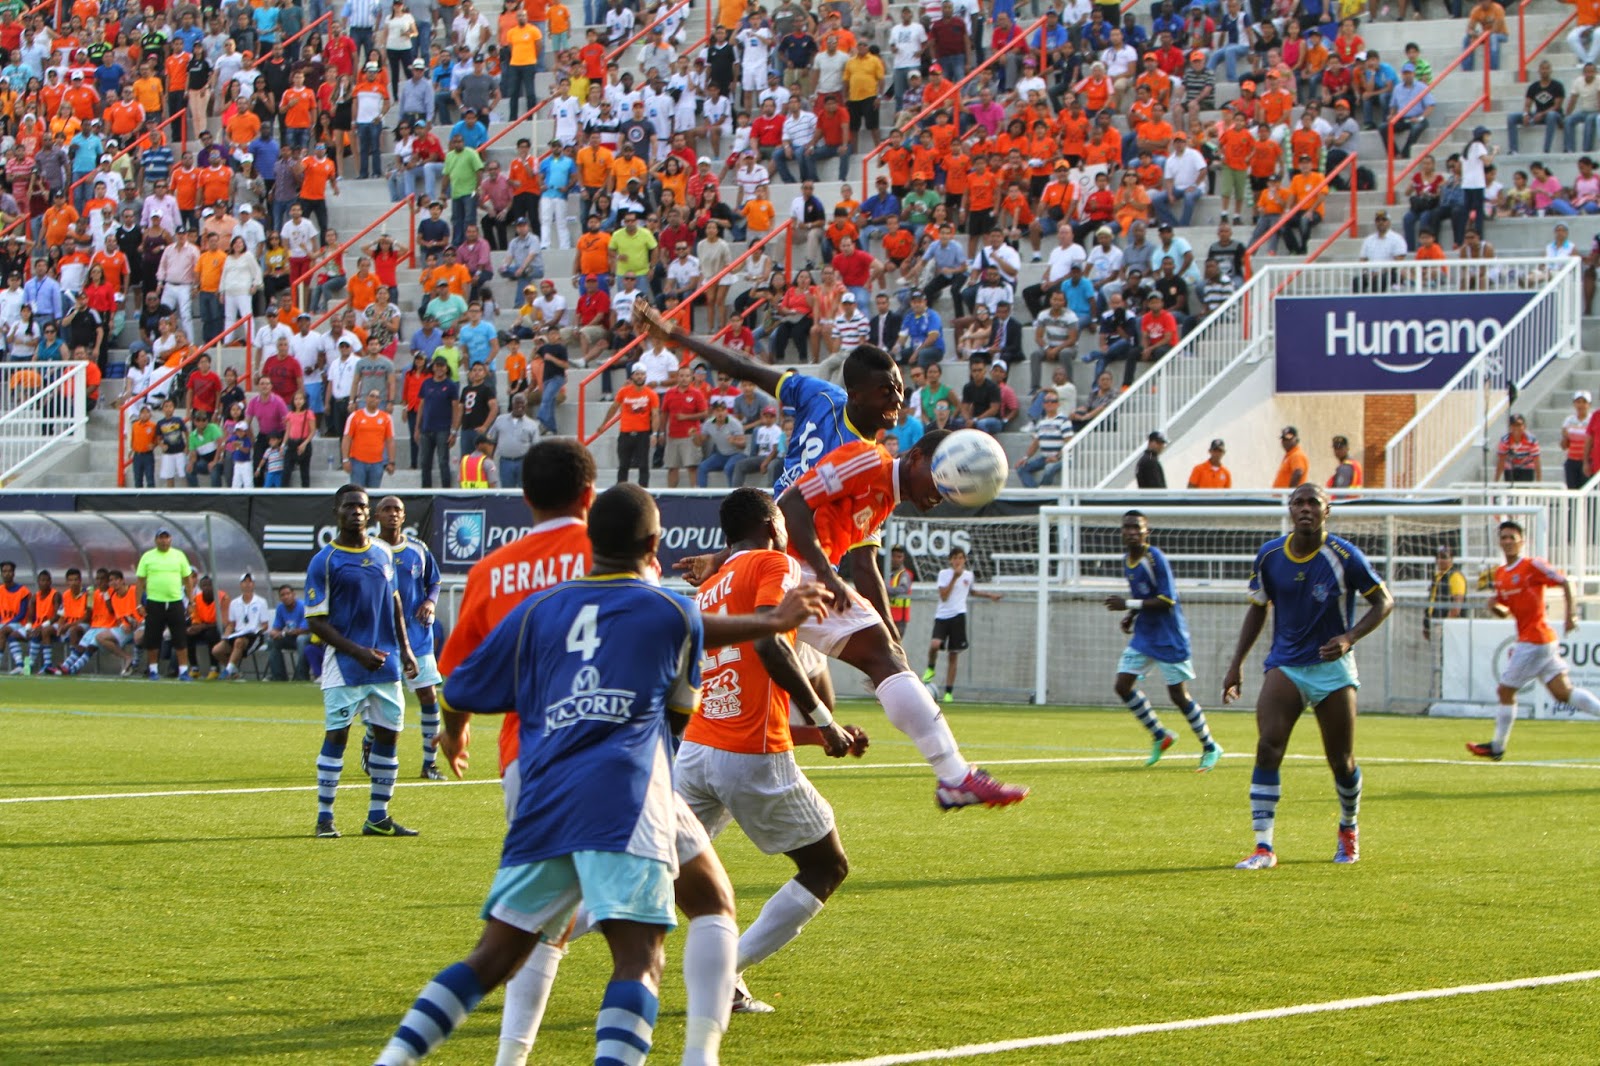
column 741, row 708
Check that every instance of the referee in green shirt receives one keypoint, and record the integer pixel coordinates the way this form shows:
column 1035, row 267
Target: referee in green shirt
column 166, row 581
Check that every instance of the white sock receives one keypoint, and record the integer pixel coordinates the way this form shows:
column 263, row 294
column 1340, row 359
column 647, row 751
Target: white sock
column 709, row 953
column 527, row 994
column 1585, row 701
column 1504, row 715
column 779, row 922
column 912, row 711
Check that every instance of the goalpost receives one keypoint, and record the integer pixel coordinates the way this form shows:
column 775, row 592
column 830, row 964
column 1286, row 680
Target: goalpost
column 1050, row 640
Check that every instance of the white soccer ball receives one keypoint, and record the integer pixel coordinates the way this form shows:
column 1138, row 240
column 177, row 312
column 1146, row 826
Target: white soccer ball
column 970, row 468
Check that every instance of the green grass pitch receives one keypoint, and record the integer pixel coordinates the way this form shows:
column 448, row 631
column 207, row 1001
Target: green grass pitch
column 206, row 929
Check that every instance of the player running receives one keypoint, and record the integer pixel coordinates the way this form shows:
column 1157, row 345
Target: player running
column 842, row 424
column 16, row 616
column 558, row 485
column 44, row 623
column 1160, row 636
column 737, row 759
column 353, row 606
column 594, row 668
column 418, row 577
column 1519, row 593
column 1311, row 578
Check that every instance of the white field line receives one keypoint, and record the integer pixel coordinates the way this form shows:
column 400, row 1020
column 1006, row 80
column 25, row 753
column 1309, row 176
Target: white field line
column 1084, row 1036
column 829, row 767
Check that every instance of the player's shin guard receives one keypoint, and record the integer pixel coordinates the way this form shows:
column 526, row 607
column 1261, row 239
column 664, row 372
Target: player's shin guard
column 527, row 995
column 780, row 921
column 385, row 768
column 1139, row 704
column 1581, row 698
column 448, row 999
column 1197, row 722
column 709, row 955
column 1505, row 716
column 627, row 1017
column 1265, row 790
column 1349, row 789
column 912, row 711
column 430, row 730
column 330, row 764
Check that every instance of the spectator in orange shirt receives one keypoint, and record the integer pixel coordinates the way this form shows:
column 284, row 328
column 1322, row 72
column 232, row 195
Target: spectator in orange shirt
column 1211, row 474
column 1266, row 158
column 142, row 444
column 1295, row 467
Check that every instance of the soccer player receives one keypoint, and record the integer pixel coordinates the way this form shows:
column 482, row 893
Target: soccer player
column 955, row 583
column 16, row 611
column 558, row 485
column 353, row 606
column 828, row 421
column 593, row 668
column 737, row 759
column 418, row 577
column 74, row 615
column 101, row 619
column 1519, row 593
column 901, row 579
column 124, row 629
column 1160, row 636
column 46, row 622
column 1311, row 578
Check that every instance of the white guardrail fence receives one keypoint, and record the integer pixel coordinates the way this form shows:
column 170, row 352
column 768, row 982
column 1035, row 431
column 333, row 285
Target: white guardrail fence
column 46, row 406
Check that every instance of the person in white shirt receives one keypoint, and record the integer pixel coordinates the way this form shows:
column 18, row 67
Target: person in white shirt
column 1184, row 180
column 264, row 338
column 683, row 274
column 623, row 297
column 660, row 367
column 1383, row 245
column 312, row 351
column 299, row 234
column 779, row 95
column 248, row 228
column 1119, row 60
column 850, row 326
column 906, row 41
column 955, row 584
column 750, row 176
column 564, row 112
column 829, row 66
column 1066, row 252
column 341, row 376
column 248, row 617
column 550, row 307
column 756, row 44
column 619, row 24
column 11, row 300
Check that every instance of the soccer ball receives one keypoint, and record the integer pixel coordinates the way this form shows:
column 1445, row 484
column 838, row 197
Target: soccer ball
column 970, row 468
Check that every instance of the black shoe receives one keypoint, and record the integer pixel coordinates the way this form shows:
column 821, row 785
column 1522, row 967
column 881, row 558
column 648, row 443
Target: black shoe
column 430, row 772
column 325, row 828
column 386, row 828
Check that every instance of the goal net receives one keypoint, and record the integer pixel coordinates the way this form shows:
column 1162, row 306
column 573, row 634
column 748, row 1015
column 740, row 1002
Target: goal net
column 1050, row 639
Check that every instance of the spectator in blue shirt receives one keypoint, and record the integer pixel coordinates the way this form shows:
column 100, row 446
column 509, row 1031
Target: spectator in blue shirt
column 438, row 419
column 950, row 266
column 874, row 212
column 1080, row 294
column 921, row 333
column 1375, row 84
column 478, row 337
column 289, row 634
column 1411, row 103
column 426, row 341
column 43, row 294
column 473, row 133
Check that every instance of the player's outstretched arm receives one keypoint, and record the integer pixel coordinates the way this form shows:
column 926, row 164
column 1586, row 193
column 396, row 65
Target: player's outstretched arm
column 1255, row 617
column 803, row 542
column 1379, row 604
column 722, row 359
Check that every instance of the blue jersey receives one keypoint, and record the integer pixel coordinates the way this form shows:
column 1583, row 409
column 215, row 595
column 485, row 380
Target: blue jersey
column 418, row 577
column 1313, row 598
column 820, row 424
column 1162, row 635
column 353, row 588
column 591, row 667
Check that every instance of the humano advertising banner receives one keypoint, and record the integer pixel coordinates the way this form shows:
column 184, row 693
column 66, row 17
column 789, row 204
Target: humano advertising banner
column 1400, row 343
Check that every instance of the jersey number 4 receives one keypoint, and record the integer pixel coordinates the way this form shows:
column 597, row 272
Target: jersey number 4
column 584, row 636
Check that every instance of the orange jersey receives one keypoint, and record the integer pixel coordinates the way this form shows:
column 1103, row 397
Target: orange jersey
column 45, row 605
column 553, row 552
column 1264, row 157
column 1520, row 586
column 13, row 603
column 983, row 190
column 742, row 709
column 125, row 606
column 100, row 615
column 957, row 169
column 851, row 491
column 74, row 609
column 1237, row 146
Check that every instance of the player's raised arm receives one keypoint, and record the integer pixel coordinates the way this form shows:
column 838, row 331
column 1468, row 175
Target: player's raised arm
column 721, row 358
column 804, row 543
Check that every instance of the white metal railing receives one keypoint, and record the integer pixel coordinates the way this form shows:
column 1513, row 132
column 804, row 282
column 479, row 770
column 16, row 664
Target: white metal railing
column 1461, row 413
column 1171, row 387
column 46, row 406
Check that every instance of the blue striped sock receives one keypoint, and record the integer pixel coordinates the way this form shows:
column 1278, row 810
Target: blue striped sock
column 15, row 648
column 1349, row 789
column 36, row 653
column 430, row 730
column 330, row 764
column 48, row 654
column 1265, row 789
column 1139, row 704
column 449, row 998
column 1197, row 722
column 385, row 768
column 622, row 1031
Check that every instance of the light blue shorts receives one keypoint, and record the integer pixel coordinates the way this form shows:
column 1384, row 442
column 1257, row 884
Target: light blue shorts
column 381, row 705
column 1320, row 680
column 122, row 635
column 427, row 673
column 543, row 895
column 1138, row 663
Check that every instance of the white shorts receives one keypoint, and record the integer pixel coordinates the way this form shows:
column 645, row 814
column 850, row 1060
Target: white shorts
column 1138, row 663
column 1532, row 662
column 382, row 705
column 754, row 79
column 427, row 673
column 830, row 634
column 173, row 466
column 120, row 633
column 691, row 835
column 774, row 803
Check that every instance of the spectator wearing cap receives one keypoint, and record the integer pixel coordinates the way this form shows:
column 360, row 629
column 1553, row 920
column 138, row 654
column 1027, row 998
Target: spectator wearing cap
column 1211, row 474
column 1518, row 459
column 1295, row 468
column 1575, row 440
column 1410, row 104
column 637, row 408
column 415, row 95
column 557, row 173
column 764, row 458
column 1040, row 465
column 476, row 94
column 1347, row 472
column 1149, row 473
column 1183, row 180
column 1382, row 245
column 1375, row 80
column 438, row 420
column 523, row 260
column 921, row 333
